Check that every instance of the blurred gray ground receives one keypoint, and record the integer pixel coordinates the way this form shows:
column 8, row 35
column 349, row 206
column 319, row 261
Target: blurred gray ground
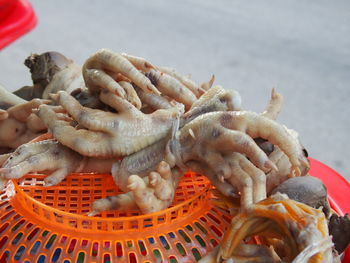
column 300, row 47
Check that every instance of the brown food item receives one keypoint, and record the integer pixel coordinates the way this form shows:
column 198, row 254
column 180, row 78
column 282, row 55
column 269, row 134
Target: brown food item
column 306, row 189
column 339, row 229
column 43, row 68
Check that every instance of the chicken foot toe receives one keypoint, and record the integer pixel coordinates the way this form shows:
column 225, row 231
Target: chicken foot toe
column 108, row 134
column 48, row 156
column 149, row 194
column 224, row 132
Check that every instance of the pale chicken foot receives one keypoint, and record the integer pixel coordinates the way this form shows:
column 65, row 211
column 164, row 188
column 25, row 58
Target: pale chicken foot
column 107, row 134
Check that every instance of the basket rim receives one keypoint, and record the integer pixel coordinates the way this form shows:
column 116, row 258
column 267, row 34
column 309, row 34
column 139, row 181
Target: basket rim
column 19, row 190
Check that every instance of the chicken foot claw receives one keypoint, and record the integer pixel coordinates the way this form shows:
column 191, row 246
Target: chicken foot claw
column 274, row 107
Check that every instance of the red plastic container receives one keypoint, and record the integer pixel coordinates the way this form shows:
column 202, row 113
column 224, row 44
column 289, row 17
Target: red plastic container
column 338, row 191
column 17, row 17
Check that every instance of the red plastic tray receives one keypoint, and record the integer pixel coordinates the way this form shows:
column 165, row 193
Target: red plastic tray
column 338, row 191
column 17, row 17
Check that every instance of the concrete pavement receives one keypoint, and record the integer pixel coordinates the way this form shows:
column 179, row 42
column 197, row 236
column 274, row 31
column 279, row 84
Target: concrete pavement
column 302, row 48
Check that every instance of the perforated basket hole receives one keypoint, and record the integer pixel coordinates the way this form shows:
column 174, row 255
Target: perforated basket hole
column 142, row 247
column 81, row 257
column 119, row 249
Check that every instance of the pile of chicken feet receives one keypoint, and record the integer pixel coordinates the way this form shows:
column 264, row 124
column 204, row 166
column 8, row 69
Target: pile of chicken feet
column 147, row 125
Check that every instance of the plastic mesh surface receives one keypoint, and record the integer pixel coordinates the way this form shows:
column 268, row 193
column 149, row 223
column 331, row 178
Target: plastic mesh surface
column 49, row 224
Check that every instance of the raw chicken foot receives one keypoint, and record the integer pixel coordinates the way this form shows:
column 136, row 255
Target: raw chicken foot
column 171, row 87
column 107, row 134
column 99, row 70
column 112, row 71
column 248, row 177
column 142, row 162
column 49, row 157
column 18, row 125
column 197, row 90
column 146, row 160
column 7, row 99
column 211, row 138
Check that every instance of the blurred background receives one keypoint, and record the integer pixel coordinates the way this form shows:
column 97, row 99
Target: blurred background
column 302, row 48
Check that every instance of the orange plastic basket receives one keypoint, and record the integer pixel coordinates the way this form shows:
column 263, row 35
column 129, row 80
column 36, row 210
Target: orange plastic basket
column 49, row 224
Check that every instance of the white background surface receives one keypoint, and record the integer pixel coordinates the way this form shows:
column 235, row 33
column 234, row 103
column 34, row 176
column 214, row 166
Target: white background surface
column 300, row 47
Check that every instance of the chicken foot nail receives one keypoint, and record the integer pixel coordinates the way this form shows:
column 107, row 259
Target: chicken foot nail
column 274, row 107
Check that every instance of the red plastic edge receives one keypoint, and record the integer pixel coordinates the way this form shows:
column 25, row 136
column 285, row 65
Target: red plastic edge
column 338, row 187
column 338, row 191
column 20, row 18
